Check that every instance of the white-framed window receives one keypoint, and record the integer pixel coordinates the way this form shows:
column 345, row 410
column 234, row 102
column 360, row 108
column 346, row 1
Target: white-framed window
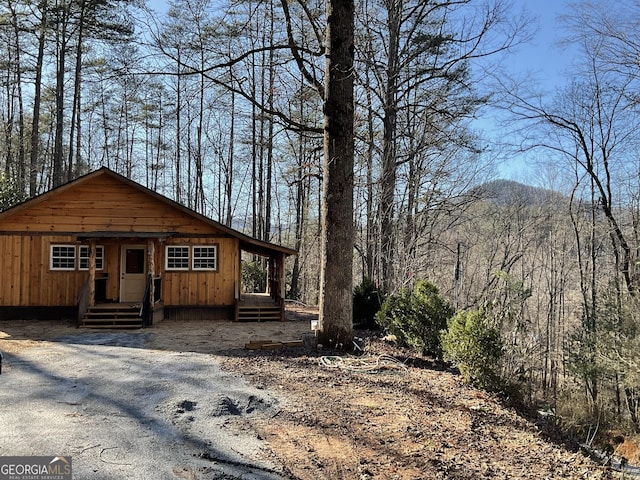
column 177, row 257
column 63, row 257
column 205, row 257
column 83, row 257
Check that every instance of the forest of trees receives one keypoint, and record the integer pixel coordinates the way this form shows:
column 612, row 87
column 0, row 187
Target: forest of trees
column 219, row 105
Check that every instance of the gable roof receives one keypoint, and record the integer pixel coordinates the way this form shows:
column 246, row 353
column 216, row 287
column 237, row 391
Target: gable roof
column 247, row 243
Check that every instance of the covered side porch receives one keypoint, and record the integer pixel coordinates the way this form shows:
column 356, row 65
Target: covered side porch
column 135, row 279
column 258, row 307
column 267, row 305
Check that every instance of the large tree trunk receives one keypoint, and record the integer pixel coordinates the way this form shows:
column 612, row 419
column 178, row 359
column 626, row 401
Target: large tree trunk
column 336, row 277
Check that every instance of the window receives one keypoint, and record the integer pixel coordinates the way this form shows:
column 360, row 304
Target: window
column 63, row 257
column 177, row 257
column 205, row 258
column 83, row 257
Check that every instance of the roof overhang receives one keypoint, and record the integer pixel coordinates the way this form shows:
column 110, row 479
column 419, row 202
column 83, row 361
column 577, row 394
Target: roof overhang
column 264, row 248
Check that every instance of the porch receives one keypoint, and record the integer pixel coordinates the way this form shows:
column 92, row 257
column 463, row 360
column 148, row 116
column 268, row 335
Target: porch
column 252, row 307
column 97, row 312
column 258, row 307
column 119, row 315
column 127, row 285
column 267, row 305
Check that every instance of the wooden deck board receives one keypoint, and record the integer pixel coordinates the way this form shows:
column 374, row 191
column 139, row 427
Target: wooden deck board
column 257, row 299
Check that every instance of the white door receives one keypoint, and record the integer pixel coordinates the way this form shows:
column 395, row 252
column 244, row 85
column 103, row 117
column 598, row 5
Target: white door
column 133, row 273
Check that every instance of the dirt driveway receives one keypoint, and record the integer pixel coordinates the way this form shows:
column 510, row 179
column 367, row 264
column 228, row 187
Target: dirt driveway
column 152, row 403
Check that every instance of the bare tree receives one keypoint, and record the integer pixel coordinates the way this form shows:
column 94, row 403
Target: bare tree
column 336, row 274
column 591, row 127
column 417, row 56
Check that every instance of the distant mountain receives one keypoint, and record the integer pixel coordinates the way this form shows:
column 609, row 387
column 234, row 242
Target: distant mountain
column 509, row 192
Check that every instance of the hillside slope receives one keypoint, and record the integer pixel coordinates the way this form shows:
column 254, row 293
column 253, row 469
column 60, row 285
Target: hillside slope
column 387, row 423
column 509, row 192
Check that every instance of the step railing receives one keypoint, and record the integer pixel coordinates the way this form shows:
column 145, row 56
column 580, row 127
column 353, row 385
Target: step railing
column 146, row 308
column 83, row 300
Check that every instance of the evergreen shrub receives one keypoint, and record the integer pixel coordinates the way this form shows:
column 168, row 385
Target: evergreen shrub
column 416, row 317
column 367, row 300
column 475, row 347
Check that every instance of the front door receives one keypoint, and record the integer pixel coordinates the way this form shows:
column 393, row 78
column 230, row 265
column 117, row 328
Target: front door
column 133, row 273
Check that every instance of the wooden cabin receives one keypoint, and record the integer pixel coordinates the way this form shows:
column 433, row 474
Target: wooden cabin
column 109, row 252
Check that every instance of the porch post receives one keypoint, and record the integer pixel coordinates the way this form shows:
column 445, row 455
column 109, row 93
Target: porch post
column 281, row 286
column 92, row 273
column 281, row 282
column 152, row 270
column 272, row 279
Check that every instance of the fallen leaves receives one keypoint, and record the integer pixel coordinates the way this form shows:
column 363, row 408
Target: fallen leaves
column 353, row 424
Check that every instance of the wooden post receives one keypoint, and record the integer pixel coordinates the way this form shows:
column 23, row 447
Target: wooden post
column 281, row 281
column 271, row 278
column 281, row 286
column 92, row 273
column 152, row 270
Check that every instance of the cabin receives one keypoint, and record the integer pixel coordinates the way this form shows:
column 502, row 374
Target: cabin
column 105, row 251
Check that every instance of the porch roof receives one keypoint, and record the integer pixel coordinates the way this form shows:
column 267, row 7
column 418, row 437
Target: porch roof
column 105, row 234
column 266, row 249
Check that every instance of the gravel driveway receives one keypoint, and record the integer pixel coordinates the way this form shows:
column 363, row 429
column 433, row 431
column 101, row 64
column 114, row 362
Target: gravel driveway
column 125, row 412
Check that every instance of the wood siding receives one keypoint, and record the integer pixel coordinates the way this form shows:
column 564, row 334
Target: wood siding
column 28, row 281
column 26, row 277
column 106, row 204
column 200, row 288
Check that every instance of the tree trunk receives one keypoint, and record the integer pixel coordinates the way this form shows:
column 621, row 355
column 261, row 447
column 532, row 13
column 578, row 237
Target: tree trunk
column 21, row 167
column 336, row 276
column 75, row 111
column 199, row 187
column 228, row 191
column 178, row 185
column 58, row 160
column 37, row 89
column 388, row 176
column 7, row 126
column 370, row 234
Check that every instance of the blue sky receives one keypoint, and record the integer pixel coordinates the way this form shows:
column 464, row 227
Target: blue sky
column 546, row 61
column 541, row 57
